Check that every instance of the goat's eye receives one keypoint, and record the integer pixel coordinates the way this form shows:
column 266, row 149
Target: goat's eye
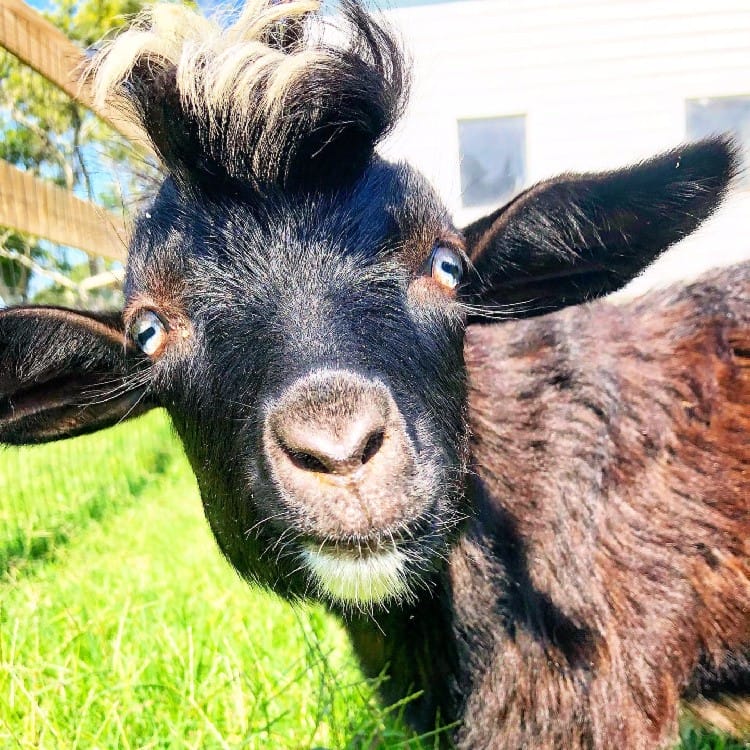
column 148, row 332
column 446, row 267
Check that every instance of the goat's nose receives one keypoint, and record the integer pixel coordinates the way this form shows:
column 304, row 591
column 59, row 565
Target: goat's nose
column 338, row 449
column 336, row 443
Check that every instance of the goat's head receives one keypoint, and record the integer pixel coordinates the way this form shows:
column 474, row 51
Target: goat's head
column 298, row 304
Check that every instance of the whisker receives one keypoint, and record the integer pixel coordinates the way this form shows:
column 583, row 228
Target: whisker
column 262, row 521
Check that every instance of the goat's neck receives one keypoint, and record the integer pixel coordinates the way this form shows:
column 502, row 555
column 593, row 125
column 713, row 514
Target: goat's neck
column 523, row 382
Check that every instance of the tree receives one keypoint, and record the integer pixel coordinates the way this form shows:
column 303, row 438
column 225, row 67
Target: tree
column 48, row 134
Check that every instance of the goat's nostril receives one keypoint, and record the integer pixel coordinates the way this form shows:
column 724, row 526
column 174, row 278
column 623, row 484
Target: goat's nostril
column 322, row 463
column 318, row 451
column 335, row 426
column 372, row 446
column 307, row 461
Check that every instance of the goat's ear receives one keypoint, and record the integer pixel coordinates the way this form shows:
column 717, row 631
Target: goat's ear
column 578, row 237
column 64, row 373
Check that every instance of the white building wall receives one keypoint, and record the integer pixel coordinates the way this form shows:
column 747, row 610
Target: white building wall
column 601, row 82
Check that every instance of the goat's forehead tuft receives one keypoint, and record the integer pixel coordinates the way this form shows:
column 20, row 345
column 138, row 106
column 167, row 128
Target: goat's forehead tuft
column 267, row 99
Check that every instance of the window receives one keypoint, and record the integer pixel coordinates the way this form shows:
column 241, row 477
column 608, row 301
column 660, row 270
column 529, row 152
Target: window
column 493, row 158
column 730, row 114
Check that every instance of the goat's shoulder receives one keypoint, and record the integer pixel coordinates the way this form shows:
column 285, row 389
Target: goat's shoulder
column 611, row 448
column 700, row 336
column 687, row 346
column 712, row 311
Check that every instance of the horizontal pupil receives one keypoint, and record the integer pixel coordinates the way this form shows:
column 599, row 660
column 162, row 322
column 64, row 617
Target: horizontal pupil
column 449, row 268
column 144, row 336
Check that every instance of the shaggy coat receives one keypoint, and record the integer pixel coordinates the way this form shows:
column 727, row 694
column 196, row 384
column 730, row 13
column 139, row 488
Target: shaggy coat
column 528, row 506
column 607, row 571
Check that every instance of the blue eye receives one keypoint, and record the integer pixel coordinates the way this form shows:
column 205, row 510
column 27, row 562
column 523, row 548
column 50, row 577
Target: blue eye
column 446, row 267
column 148, row 332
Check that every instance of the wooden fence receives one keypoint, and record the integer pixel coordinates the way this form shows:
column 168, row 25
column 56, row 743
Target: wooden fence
column 27, row 203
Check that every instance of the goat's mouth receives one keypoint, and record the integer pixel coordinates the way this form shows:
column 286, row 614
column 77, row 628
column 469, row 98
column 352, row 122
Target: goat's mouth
column 354, row 549
column 388, row 566
column 358, row 575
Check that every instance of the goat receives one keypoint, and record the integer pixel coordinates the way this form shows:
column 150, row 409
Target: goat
column 527, row 505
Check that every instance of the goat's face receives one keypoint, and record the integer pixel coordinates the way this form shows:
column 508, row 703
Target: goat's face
column 309, row 350
column 298, row 305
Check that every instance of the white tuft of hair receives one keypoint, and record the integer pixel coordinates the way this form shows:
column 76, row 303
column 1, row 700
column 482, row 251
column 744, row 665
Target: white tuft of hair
column 358, row 580
column 280, row 94
column 217, row 68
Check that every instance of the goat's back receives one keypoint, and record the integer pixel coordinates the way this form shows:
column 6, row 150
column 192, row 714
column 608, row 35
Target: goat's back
column 614, row 440
column 708, row 324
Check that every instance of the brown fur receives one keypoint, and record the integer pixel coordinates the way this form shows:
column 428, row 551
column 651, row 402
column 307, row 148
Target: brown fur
column 613, row 444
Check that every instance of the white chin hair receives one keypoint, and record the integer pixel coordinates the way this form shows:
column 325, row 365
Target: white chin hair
column 358, row 580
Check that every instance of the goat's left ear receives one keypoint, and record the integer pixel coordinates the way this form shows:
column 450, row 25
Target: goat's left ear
column 65, row 372
column 578, row 237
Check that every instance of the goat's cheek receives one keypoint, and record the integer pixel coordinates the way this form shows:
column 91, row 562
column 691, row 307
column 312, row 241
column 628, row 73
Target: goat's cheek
column 436, row 311
column 425, row 292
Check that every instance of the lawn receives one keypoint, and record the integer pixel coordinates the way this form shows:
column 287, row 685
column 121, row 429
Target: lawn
column 49, row 493
column 122, row 626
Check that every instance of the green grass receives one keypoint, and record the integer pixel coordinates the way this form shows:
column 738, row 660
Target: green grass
column 138, row 634
column 49, row 492
column 132, row 632
column 696, row 739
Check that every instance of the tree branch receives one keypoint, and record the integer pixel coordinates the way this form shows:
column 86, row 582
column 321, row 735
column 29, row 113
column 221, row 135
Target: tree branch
column 80, row 288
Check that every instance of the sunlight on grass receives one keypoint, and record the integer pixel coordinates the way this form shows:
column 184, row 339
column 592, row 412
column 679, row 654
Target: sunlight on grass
column 49, row 492
column 139, row 635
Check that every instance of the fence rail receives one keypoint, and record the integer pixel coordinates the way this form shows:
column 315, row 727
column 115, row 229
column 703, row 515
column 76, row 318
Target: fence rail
column 41, row 208
column 29, row 204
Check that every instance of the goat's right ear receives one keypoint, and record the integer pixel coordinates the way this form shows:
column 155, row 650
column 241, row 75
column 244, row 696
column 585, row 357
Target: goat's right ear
column 578, row 237
column 65, row 372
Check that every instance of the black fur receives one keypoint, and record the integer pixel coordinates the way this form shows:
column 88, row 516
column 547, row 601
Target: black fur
column 561, row 243
column 322, row 262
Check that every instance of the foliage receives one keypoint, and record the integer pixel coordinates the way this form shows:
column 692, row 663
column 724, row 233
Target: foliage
column 48, row 134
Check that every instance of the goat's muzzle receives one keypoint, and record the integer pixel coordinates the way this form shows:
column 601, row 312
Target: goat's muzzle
column 339, row 451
